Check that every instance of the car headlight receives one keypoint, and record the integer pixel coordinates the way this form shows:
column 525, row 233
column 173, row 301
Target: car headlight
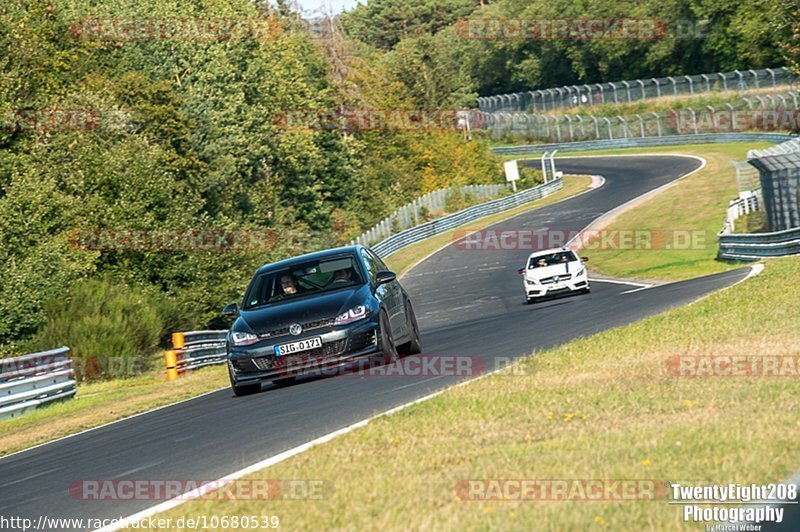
column 580, row 272
column 356, row 313
column 531, row 281
column 243, row 338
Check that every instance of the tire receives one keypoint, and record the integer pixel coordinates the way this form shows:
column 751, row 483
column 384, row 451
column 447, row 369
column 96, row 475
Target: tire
column 586, row 290
column 530, row 300
column 284, row 381
column 413, row 346
column 240, row 390
column 388, row 348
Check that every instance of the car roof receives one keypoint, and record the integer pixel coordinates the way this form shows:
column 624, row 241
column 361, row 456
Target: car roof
column 548, row 252
column 316, row 255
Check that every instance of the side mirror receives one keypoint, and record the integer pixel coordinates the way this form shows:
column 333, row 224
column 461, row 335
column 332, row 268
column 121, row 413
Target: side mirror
column 584, row 259
column 385, row 277
column 521, row 271
column 232, row 310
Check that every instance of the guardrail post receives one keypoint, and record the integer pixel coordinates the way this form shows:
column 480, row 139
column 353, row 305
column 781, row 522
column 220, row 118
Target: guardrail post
column 596, row 127
column 608, row 123
column 171, row 362
column 658, row 123
column 674, row 85
column 755, row 78
column 742, row 85
column 641, row 125
column 658, row 87
column 724, row 81
column 614, row 88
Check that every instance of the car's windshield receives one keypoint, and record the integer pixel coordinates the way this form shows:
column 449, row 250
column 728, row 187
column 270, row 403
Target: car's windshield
column 551, row 259
column 303, row 278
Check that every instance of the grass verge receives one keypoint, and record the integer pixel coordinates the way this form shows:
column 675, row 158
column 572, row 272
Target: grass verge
column 103, row 402
column 601, row 407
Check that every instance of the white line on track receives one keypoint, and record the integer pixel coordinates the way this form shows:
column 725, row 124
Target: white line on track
column 641, row 286
column 126, row 522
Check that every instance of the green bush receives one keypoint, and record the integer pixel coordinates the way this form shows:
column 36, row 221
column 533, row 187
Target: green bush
column 112, row 330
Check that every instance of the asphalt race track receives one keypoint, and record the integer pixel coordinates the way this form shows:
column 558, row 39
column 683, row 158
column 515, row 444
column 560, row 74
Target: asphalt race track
column 469, row 303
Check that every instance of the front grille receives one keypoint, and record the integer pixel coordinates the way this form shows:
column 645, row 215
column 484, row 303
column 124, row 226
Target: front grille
column 556, row 278
column 308, row 326
column 327, row 350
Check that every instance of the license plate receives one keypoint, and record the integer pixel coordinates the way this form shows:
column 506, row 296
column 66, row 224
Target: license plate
column 296, row 347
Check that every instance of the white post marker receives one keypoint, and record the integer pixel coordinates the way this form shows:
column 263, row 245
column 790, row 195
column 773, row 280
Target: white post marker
column 553, row 164
column 544, row 166
column 512, row 173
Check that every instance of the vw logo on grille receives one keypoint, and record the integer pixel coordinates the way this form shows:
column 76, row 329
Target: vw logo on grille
column 295, row 329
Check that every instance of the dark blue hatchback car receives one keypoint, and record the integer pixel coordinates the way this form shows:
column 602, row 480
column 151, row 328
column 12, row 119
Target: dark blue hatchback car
column 315, row 311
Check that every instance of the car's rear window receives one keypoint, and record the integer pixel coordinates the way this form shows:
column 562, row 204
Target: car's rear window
column 551, row 259
column 303, row 279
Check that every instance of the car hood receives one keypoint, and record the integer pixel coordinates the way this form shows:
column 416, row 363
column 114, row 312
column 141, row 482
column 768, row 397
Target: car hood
column 302, row 310
column 557, row 269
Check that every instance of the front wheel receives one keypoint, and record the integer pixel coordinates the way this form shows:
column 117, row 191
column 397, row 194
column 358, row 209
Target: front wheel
column 413, row 346
column 387, row 341
column 240, row 390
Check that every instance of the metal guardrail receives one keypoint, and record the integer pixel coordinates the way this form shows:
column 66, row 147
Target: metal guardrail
column 634, row 142
column 29, row 381
column 411, row 236
column 409, row 215
column 757, row 246
column 194, row 349
column 628, row 91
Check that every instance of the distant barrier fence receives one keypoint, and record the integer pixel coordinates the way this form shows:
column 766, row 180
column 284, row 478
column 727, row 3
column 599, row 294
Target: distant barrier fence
column 592, row 145
column 410, row 214
column 769, row 112
column 586, row 95
column 411, row 236
column 194, row 349
column 29, row 381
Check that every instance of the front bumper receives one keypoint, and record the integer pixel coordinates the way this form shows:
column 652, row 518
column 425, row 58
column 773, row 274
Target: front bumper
column 258, row 362
column 541, row 290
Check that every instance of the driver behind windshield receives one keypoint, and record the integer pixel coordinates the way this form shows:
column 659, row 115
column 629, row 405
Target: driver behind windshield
column 289, row 285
